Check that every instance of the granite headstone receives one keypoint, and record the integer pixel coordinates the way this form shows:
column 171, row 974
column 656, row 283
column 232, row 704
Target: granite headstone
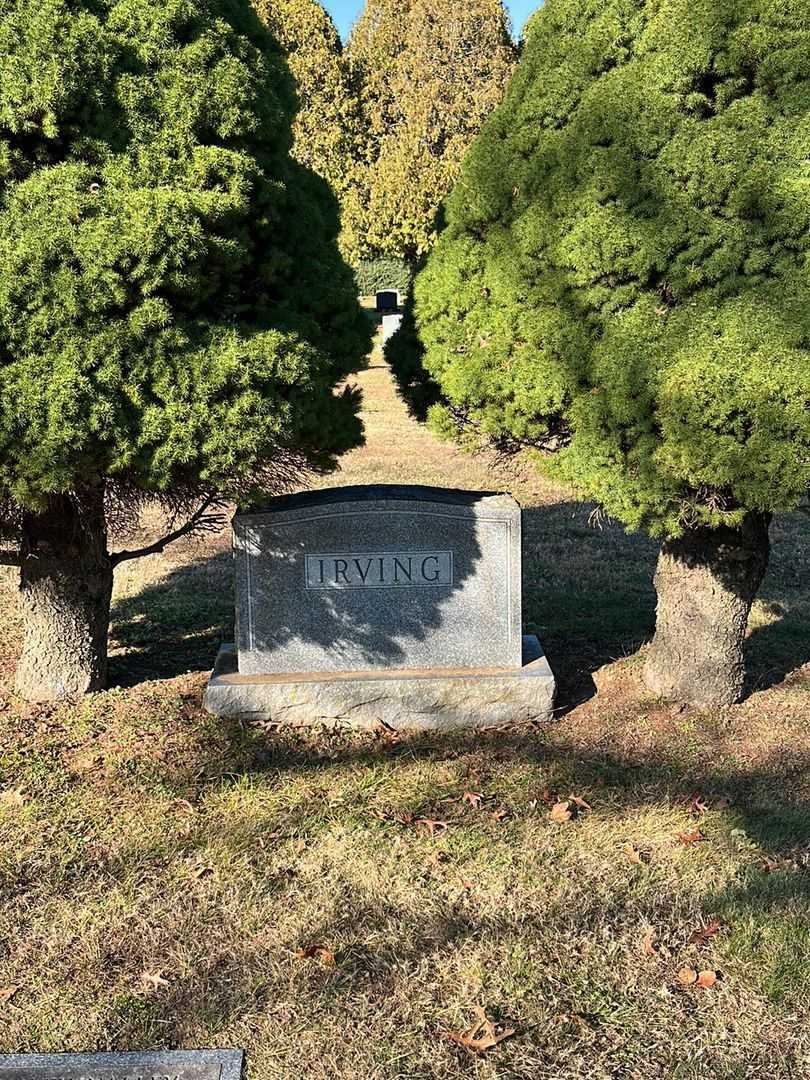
column 415, row 590
column 349, row 579
column 127, row 1065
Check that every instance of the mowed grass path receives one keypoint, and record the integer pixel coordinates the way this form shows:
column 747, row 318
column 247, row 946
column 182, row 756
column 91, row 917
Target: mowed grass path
column 337, row 904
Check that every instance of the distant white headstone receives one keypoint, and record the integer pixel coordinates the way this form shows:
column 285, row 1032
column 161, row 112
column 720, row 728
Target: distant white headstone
column 390, row 325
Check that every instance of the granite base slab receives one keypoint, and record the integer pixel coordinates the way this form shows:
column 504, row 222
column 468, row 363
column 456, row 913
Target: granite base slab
column 405, row 700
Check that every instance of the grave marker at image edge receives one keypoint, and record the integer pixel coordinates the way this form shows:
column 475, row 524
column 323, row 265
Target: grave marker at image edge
column 388, row 605
column 126, row 1065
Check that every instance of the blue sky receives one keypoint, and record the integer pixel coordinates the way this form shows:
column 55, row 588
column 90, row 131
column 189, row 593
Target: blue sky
column 344, row 12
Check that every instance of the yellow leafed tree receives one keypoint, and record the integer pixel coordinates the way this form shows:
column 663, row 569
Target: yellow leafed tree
column 430, row 72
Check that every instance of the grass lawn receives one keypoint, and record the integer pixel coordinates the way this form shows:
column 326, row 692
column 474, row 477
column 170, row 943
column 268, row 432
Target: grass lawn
column 340, row 904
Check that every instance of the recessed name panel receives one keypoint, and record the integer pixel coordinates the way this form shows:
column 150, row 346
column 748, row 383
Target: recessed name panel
column 380, row 570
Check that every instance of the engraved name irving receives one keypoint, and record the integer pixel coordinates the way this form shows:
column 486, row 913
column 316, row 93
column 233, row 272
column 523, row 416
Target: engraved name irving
column 380, row 570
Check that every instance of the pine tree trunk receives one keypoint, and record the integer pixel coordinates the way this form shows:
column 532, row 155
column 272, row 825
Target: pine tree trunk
column 66, row 588
column 706, row 582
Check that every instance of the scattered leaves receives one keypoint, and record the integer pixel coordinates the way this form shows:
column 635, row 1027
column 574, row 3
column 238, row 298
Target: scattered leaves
column 474, row 798
column 317, row 952
column 687, row 976
column 701, row 937
column 482, row 1035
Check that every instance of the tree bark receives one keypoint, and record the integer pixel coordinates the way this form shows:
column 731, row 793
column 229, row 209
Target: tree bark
column 706, row 582
column 66, row 589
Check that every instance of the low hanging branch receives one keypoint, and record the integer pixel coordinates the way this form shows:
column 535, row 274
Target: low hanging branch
column 200, row 521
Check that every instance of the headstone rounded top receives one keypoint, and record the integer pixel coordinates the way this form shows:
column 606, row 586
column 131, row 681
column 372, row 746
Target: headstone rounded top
column 382, row 493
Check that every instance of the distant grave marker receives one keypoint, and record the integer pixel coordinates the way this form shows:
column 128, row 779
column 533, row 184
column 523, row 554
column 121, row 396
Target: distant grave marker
column 390, row 326
column 375, row 605
column 387, row 300
column 126, row 1065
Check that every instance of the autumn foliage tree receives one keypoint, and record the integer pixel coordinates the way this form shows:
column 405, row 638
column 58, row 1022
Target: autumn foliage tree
column 327, row 120
column 623, row 281
column 429, row 73
column 174, row 314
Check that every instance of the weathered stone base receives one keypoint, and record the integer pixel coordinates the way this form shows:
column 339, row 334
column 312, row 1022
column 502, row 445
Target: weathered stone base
column 405, row 700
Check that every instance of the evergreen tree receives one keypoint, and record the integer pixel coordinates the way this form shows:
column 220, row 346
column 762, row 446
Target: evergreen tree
column 430, row 72
column 174, row 314
column 624, row 280
column 326, row 126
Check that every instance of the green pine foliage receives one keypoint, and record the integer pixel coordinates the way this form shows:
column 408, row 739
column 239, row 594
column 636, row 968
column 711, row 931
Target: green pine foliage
column 384, row 272
column 174, row 313
column 624, row 276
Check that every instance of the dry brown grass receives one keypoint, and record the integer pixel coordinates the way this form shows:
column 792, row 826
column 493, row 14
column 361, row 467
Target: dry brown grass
column 139, row 836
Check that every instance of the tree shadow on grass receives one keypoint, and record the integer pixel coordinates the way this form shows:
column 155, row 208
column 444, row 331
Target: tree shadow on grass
column 175, row 625
column 381, row 942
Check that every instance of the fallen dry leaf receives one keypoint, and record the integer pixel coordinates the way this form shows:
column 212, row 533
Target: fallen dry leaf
column 693, row 837
column 687, row 976
column 707, row 979
column 580, row 804
column 431, row 825
column 474, row 798
column 7, row 993
column 317, row 952
column 482, row 1035
column 561, row 812
column 701, row 937
column 153, row 980
column 571, row 808
column 647, row 946
column 634, row 855
column 499, row 815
